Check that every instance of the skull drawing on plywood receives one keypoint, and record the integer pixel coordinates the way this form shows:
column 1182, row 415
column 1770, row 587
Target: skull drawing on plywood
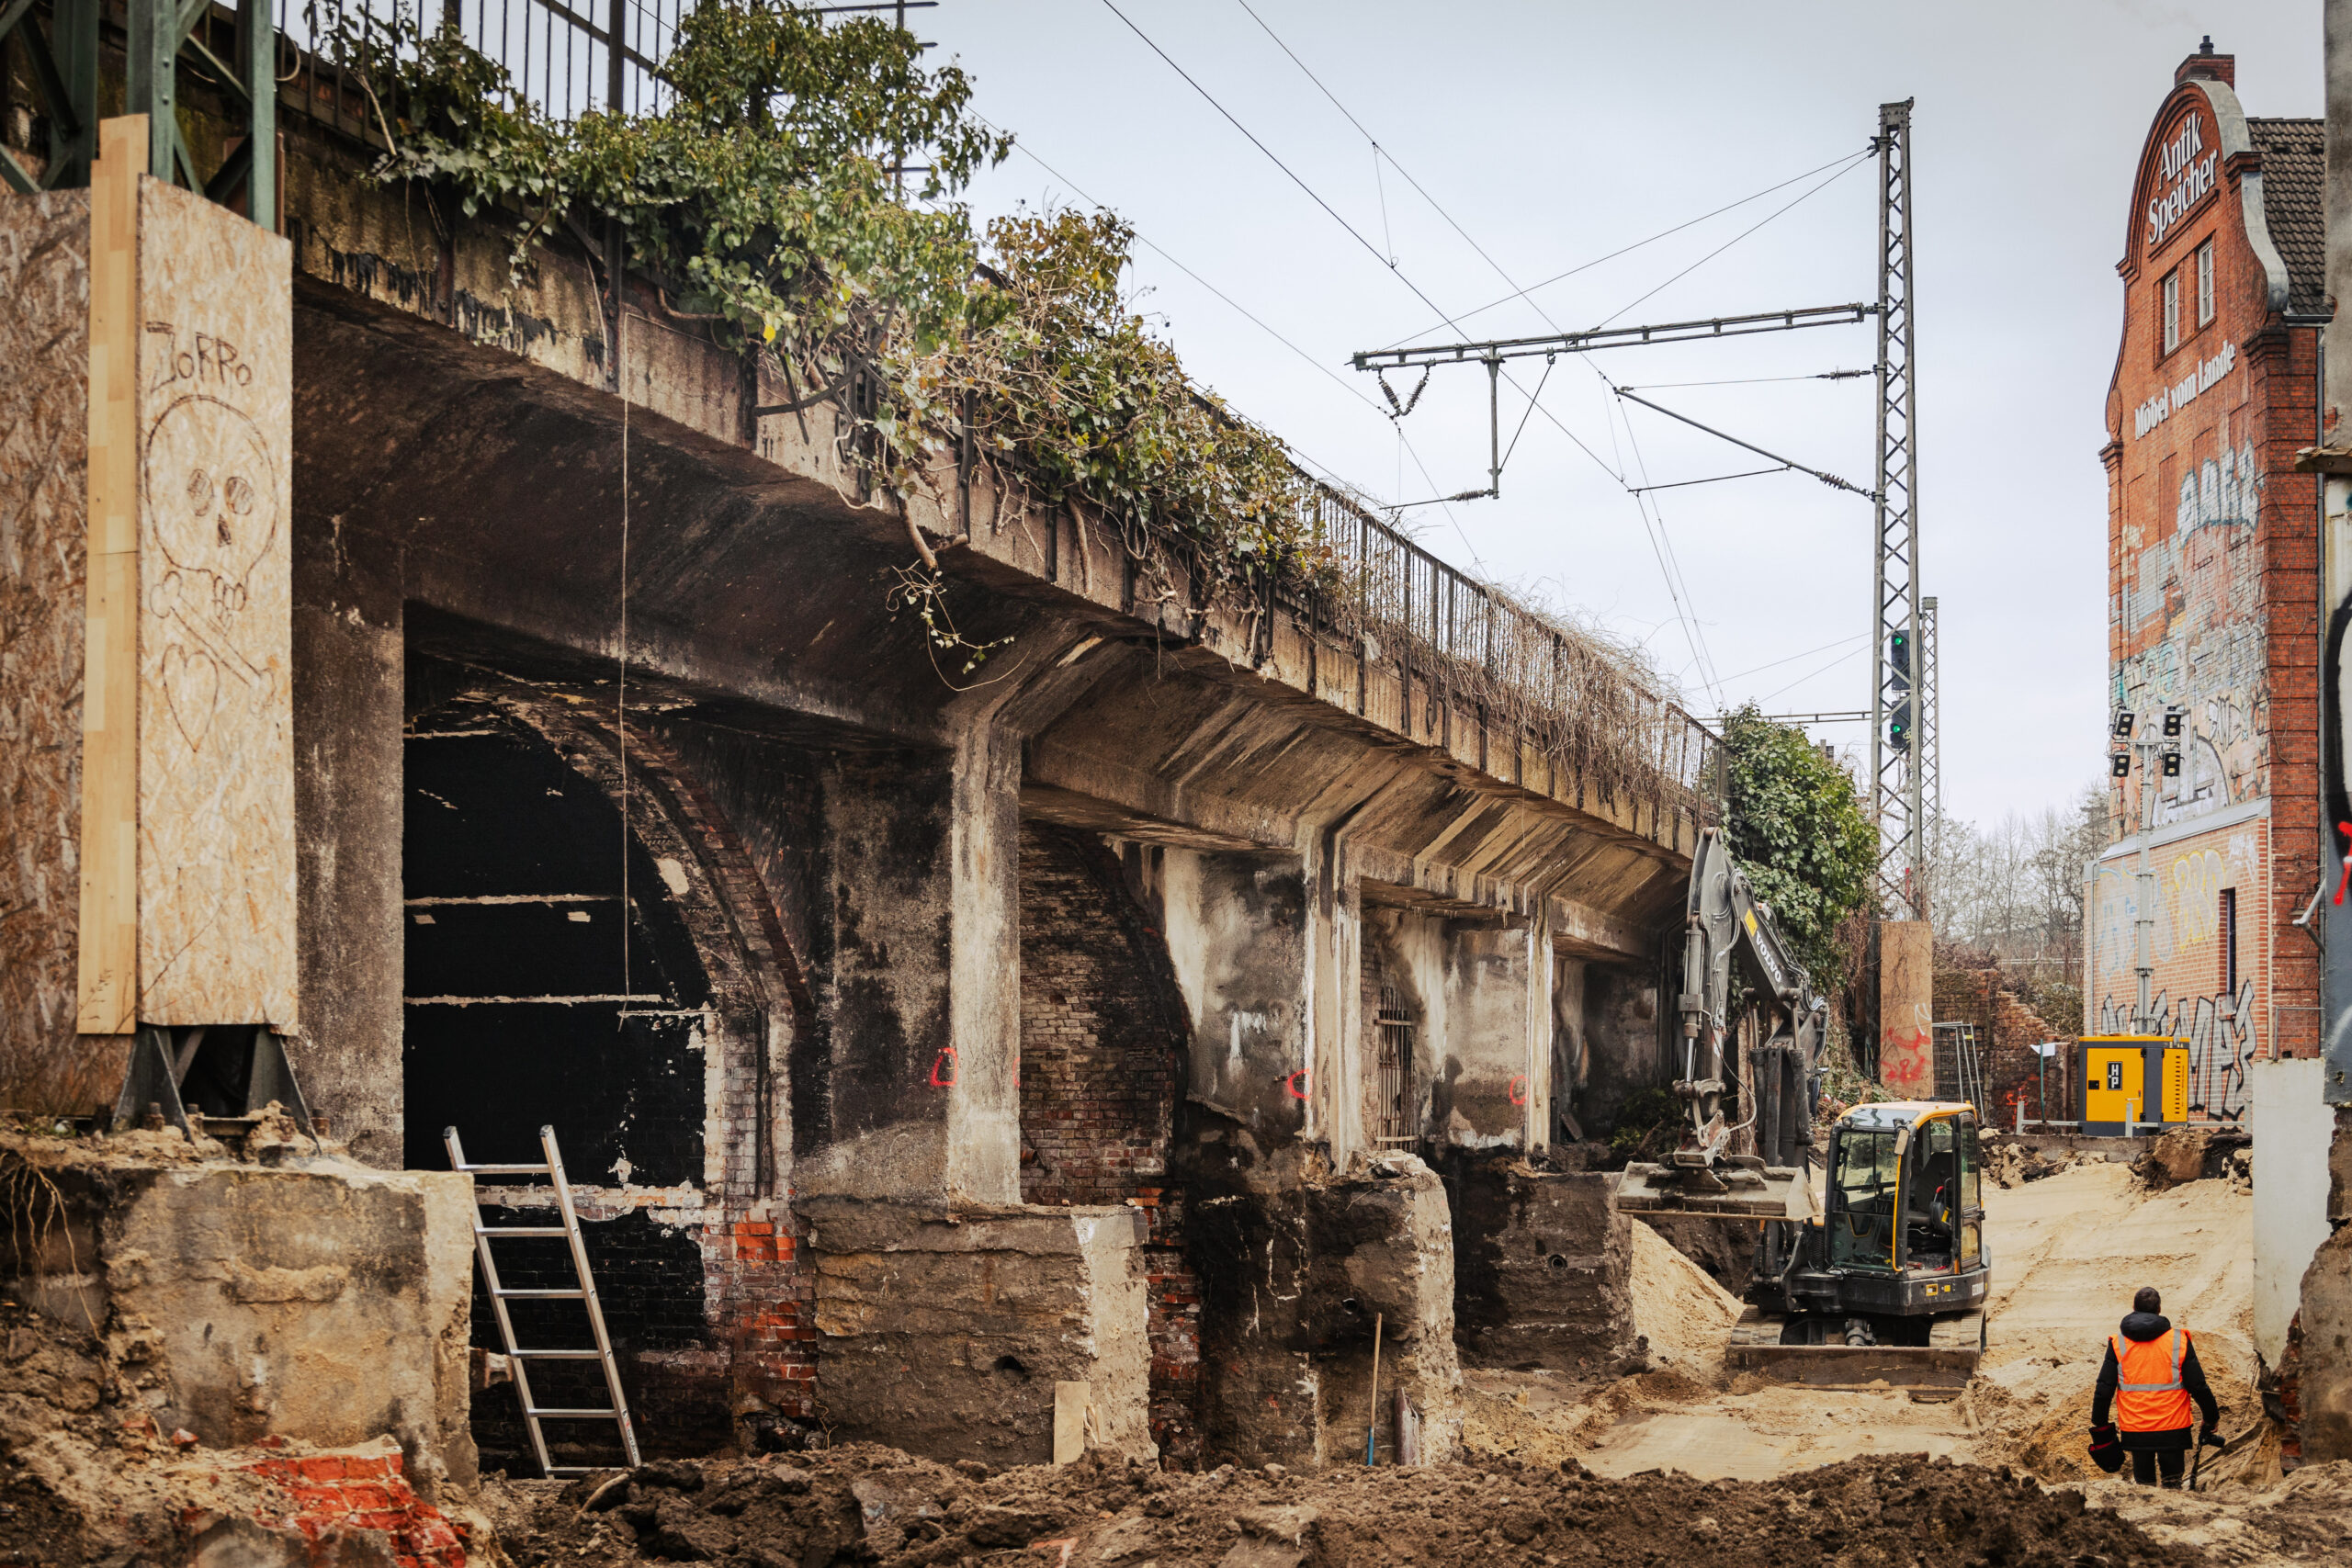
column 211, row 486
column 211, row 500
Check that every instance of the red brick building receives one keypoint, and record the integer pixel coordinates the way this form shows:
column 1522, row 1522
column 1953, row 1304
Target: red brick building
column 2212, row 587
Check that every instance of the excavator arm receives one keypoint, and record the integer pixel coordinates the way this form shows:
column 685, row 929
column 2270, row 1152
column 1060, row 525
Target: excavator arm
column 1736, row 959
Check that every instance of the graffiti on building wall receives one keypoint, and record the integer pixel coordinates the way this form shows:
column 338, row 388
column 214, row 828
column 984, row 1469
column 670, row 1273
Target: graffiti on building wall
column 2192, row 634
column 2186, row 941
column 2218, row 1030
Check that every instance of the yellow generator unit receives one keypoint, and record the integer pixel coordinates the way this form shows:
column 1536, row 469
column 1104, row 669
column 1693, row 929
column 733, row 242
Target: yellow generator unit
column 2131, row 1081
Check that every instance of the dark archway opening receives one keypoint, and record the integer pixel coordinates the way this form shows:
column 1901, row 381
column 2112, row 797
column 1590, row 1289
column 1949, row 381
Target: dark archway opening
column 528, row 1002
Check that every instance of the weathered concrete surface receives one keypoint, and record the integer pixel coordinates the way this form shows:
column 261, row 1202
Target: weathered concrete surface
column 315, row 1299
column 1624, row 1050
column 943, row 1333
column 1498, row 980
column 1543, row 1267
column 2323, row 1329
column 349, row 704
column 1298, row 1268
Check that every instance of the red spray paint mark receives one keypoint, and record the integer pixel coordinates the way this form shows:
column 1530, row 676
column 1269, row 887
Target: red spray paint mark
column 944, row 1068
column 1297, row 1083
column 1519, row 1089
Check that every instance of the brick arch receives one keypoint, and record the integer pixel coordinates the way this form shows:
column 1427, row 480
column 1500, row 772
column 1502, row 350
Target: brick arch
column 1104, row 1044
column 697, row 1256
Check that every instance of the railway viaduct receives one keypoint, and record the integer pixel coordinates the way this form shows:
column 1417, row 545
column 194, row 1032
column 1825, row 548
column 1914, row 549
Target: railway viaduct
column 1129, row 1012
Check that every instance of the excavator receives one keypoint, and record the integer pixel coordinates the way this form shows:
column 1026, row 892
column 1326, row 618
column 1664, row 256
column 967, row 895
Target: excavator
column 1880, row 1275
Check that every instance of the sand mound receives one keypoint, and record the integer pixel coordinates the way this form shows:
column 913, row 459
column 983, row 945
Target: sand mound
column 1684, row 1315
column 2068, row 1251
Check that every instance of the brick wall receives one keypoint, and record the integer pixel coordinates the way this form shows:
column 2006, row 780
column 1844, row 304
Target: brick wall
column 337, row 1500
column 2007, row 1029
column 1102, row 1045
column 2212, row 555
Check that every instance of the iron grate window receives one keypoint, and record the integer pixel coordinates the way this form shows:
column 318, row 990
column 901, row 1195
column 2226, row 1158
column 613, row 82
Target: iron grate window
column 1395, row 1027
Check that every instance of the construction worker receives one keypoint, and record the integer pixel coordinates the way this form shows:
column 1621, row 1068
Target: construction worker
column 2150, row 1376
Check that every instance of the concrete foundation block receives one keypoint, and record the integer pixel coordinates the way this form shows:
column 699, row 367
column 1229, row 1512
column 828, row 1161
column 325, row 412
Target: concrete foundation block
column 1295, row 1281
column 1388, row 1246
column 945, row 1333
column 1545, row 1268
column 319, row 1301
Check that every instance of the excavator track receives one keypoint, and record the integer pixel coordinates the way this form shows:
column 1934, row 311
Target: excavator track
column 1937, row 1370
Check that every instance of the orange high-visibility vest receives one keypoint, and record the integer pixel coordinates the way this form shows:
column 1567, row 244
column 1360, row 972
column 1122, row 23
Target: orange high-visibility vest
column 2149, row 1395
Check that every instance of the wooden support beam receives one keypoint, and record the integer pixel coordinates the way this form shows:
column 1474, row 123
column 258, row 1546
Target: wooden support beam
column 109, row 839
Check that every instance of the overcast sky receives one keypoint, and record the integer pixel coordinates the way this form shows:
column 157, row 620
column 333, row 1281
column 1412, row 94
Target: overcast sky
column 1555, row 133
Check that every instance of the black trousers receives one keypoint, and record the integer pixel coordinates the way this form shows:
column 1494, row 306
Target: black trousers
column 2145, row 1462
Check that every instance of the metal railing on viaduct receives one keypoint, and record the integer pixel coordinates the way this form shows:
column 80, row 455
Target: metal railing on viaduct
column 1453, row 636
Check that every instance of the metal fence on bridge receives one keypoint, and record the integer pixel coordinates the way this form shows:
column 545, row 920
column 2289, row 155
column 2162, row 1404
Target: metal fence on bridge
column 559, row 56
column 1445, row 633
column 1457, row 637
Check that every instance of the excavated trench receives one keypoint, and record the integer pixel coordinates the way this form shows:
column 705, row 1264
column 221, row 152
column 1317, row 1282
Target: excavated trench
column 1672, row 1463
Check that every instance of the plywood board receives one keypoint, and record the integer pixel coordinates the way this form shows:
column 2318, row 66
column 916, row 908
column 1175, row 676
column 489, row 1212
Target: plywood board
column 216, row 751
column 109, row 821
column 44, row 435
column 1906, row 976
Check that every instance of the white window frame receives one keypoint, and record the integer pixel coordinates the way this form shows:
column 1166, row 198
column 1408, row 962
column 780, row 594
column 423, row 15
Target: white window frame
column 2205, row 283
column 2172, row 310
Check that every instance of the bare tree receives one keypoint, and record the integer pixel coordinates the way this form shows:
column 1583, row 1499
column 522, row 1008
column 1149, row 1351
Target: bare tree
column 2013, row 892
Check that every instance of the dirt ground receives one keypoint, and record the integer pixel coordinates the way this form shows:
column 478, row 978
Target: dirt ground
column 1675, row 1465
column 868, row 1504
column 2068, row 1248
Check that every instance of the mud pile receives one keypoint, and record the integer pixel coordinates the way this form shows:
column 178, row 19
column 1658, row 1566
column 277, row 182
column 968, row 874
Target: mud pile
column 868, row 1504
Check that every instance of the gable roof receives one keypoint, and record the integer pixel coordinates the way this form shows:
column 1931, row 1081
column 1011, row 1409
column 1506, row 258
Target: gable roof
column 2294, row 176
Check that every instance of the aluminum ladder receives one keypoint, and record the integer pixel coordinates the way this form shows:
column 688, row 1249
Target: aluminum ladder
column 584, row 1291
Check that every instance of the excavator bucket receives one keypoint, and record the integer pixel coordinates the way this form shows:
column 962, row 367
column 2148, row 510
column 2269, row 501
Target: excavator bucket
column 1738, row 1185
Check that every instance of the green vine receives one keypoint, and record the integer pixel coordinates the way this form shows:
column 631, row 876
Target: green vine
column 760, row 202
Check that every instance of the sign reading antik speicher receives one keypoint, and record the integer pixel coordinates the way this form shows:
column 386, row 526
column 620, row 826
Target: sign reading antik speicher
column 2189, row 173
